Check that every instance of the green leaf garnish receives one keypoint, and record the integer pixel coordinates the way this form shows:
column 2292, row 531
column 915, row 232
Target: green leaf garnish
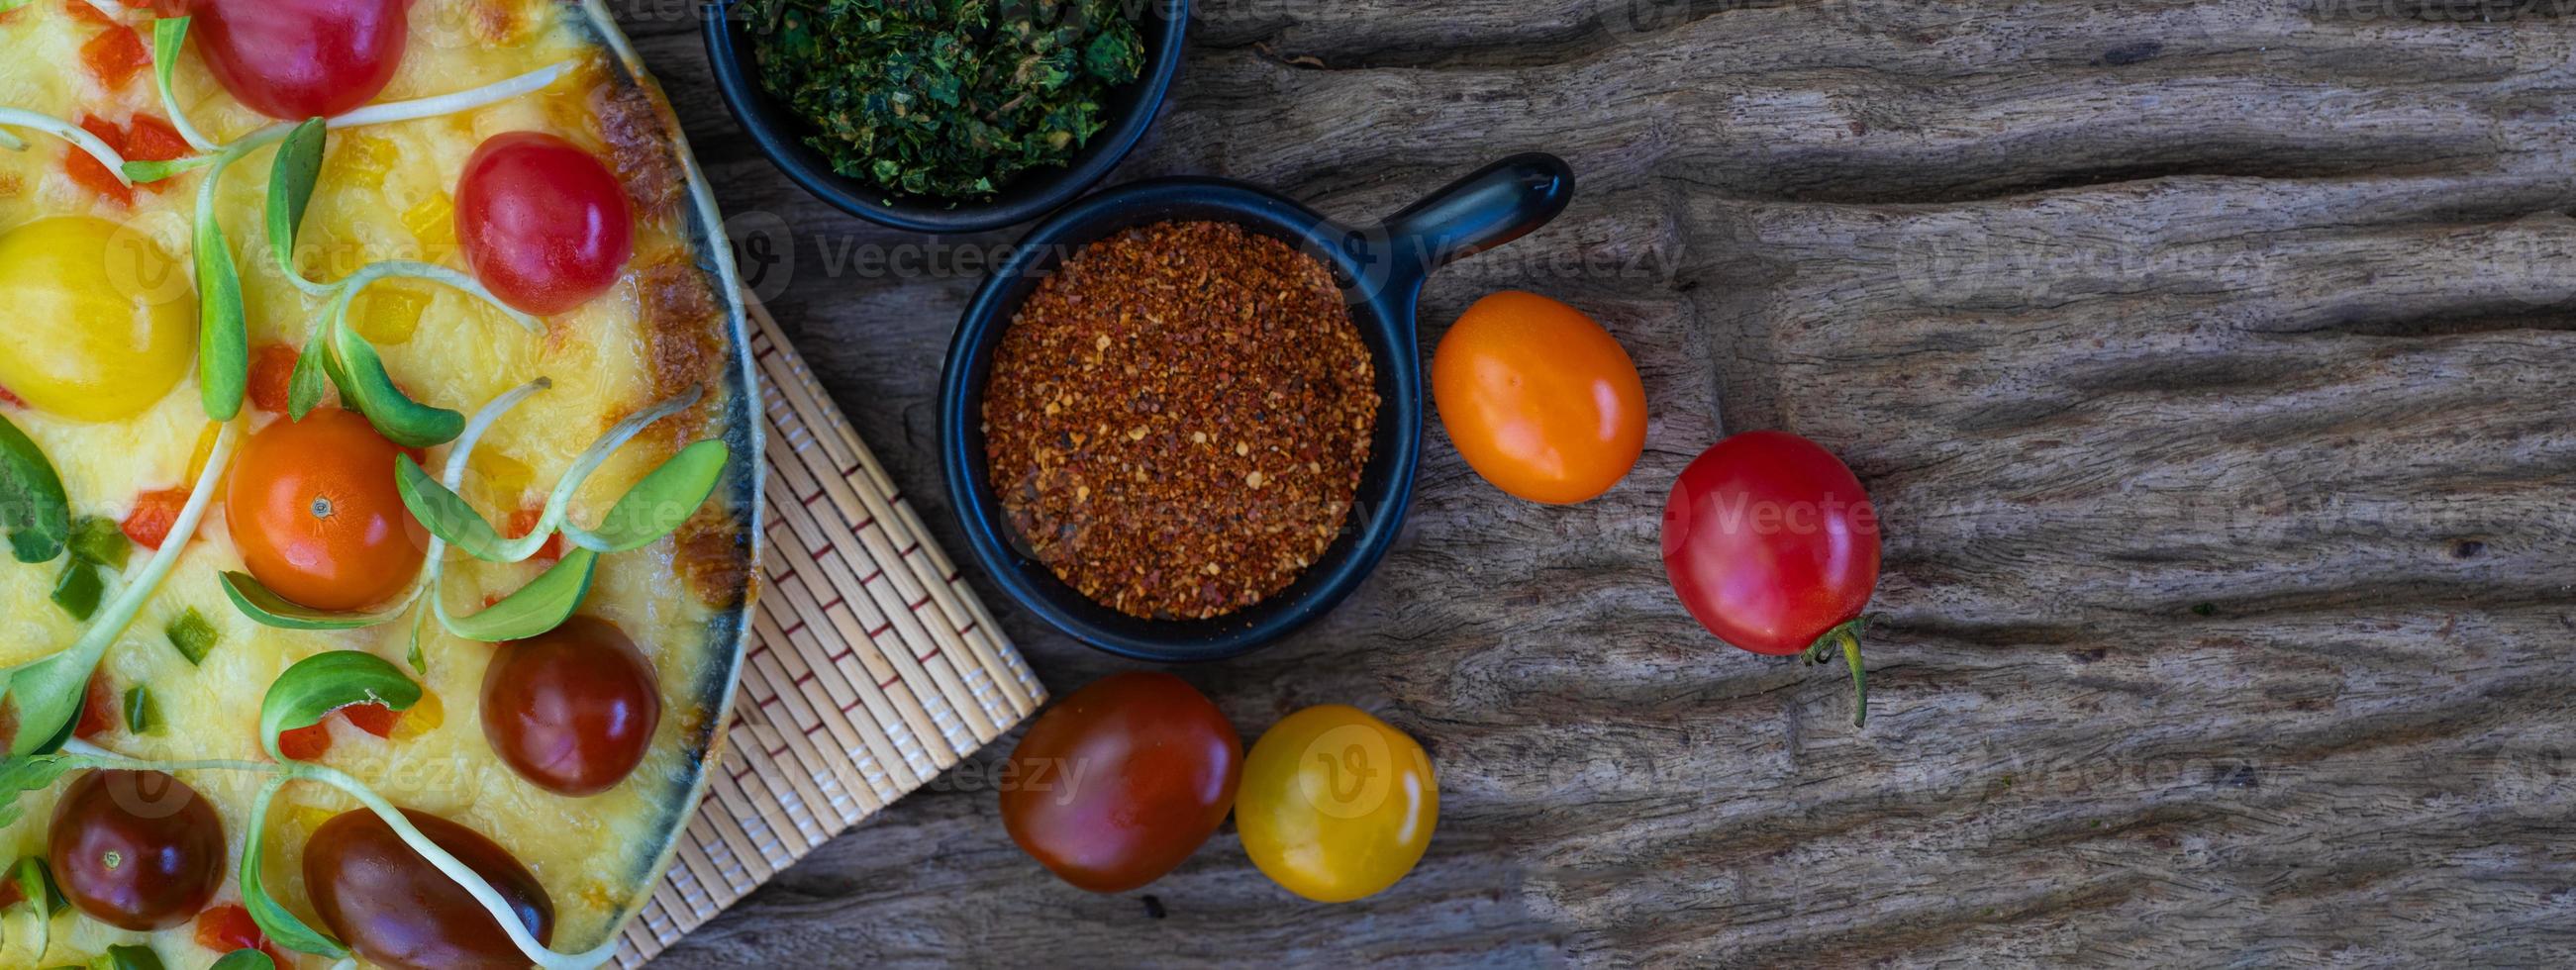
column 304, row 389
column 100, row 542
column 169, row 35
column 451, row 520
column 445, row 514
column 142, row 714
column 33, row 509
column 79, row 590
column 245, row 960
column 281, row 927
column 143, row 172
column 223, row 331
column 660, row 504
column 128, row 956
column 192, row 636
column 542, row 605
column 325, row 682
column 261, row 604
column 19, row 776
column 49, row 691
column 366, row 387
column 290, row 190
column 30, row 919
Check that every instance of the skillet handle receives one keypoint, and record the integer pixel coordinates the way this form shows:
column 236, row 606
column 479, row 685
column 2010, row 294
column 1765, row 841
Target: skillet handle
column 1499, row 203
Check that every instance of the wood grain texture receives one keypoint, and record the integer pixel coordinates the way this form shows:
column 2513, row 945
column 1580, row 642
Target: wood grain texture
column 2214, row 365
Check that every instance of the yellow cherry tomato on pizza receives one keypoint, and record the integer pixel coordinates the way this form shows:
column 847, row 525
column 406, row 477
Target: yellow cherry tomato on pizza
column 1539, row 399
column 1336, row 805
column 102, row 321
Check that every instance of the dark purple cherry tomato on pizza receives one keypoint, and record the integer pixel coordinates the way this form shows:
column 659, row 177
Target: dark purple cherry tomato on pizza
column 1117, row 784
column 398, row 910
column 572, row 710
column 137, row 850
column 542, row 222
column 1773, row 546
column 298, row 59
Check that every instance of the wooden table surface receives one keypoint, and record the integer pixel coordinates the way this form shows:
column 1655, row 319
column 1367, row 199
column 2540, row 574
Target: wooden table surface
column 2213, row 367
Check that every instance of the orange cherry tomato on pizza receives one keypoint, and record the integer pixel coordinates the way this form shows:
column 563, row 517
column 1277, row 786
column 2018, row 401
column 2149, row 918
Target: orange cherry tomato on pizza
column 1118, row 783
column 543, row 223
column 298, row 59
column 313, row 509
column 1539, row 399
column 1773, row 545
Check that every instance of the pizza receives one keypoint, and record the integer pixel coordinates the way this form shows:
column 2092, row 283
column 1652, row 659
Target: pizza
column 378, row 479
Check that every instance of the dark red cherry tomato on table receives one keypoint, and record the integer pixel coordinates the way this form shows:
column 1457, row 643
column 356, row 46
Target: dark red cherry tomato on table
column 298, row 59
column 313, row 508
column 1117, row 784
column 572, row 710
column 542, row 222
column 1773, row 546
column 138, row 850
column 398, row 910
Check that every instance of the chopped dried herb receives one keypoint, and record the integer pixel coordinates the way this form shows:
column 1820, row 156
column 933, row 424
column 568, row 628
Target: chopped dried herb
column 945, row 98
column 1178, row 418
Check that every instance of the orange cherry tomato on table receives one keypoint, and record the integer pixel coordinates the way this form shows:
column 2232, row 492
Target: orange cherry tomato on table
column 1539, row 399
column 1118, row 783
column 544, row 225
column 314, row 511
column 1336, row 804
column 298, row 59
column 1772, row 544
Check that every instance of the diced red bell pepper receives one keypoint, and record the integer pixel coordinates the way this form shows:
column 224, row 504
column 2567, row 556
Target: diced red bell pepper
column 98, row 712
column 86, row 170
column 115, row 56
column 524, row 521
column 228, row 927
column 375, row 719
column 153, row 516
column 306, row 743
column 272, row 377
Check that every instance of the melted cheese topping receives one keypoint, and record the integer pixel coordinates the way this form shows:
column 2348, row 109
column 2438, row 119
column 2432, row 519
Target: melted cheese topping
column 386, row 192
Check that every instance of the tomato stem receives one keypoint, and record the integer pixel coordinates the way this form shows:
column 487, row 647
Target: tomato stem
column 1845, row 639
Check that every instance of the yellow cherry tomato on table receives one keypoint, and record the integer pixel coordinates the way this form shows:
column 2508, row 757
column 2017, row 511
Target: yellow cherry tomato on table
column 101, row 320
column 1336, row 805
column 1539, row 399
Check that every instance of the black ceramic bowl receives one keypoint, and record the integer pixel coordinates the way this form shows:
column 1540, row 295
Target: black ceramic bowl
column 1382, row 269
column 781, row 133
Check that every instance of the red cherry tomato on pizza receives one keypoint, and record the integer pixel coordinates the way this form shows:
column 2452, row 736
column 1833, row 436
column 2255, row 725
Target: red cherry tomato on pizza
column 298, row 59
column 543, row 223
column 1117, row 784
column 137, row 850
column 1773, row 546
column 313, row 508
column 572, row 710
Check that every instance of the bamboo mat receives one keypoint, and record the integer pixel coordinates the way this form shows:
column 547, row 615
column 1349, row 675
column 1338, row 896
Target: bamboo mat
column 871, row 668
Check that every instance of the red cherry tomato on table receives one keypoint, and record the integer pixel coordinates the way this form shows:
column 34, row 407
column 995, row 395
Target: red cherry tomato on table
column 313, row 508
column 1773, row 546
column 298, row 59
column 572, row 710
column 1117, row 784
column 542, row 222
column 397, row 910
column 138, row 850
